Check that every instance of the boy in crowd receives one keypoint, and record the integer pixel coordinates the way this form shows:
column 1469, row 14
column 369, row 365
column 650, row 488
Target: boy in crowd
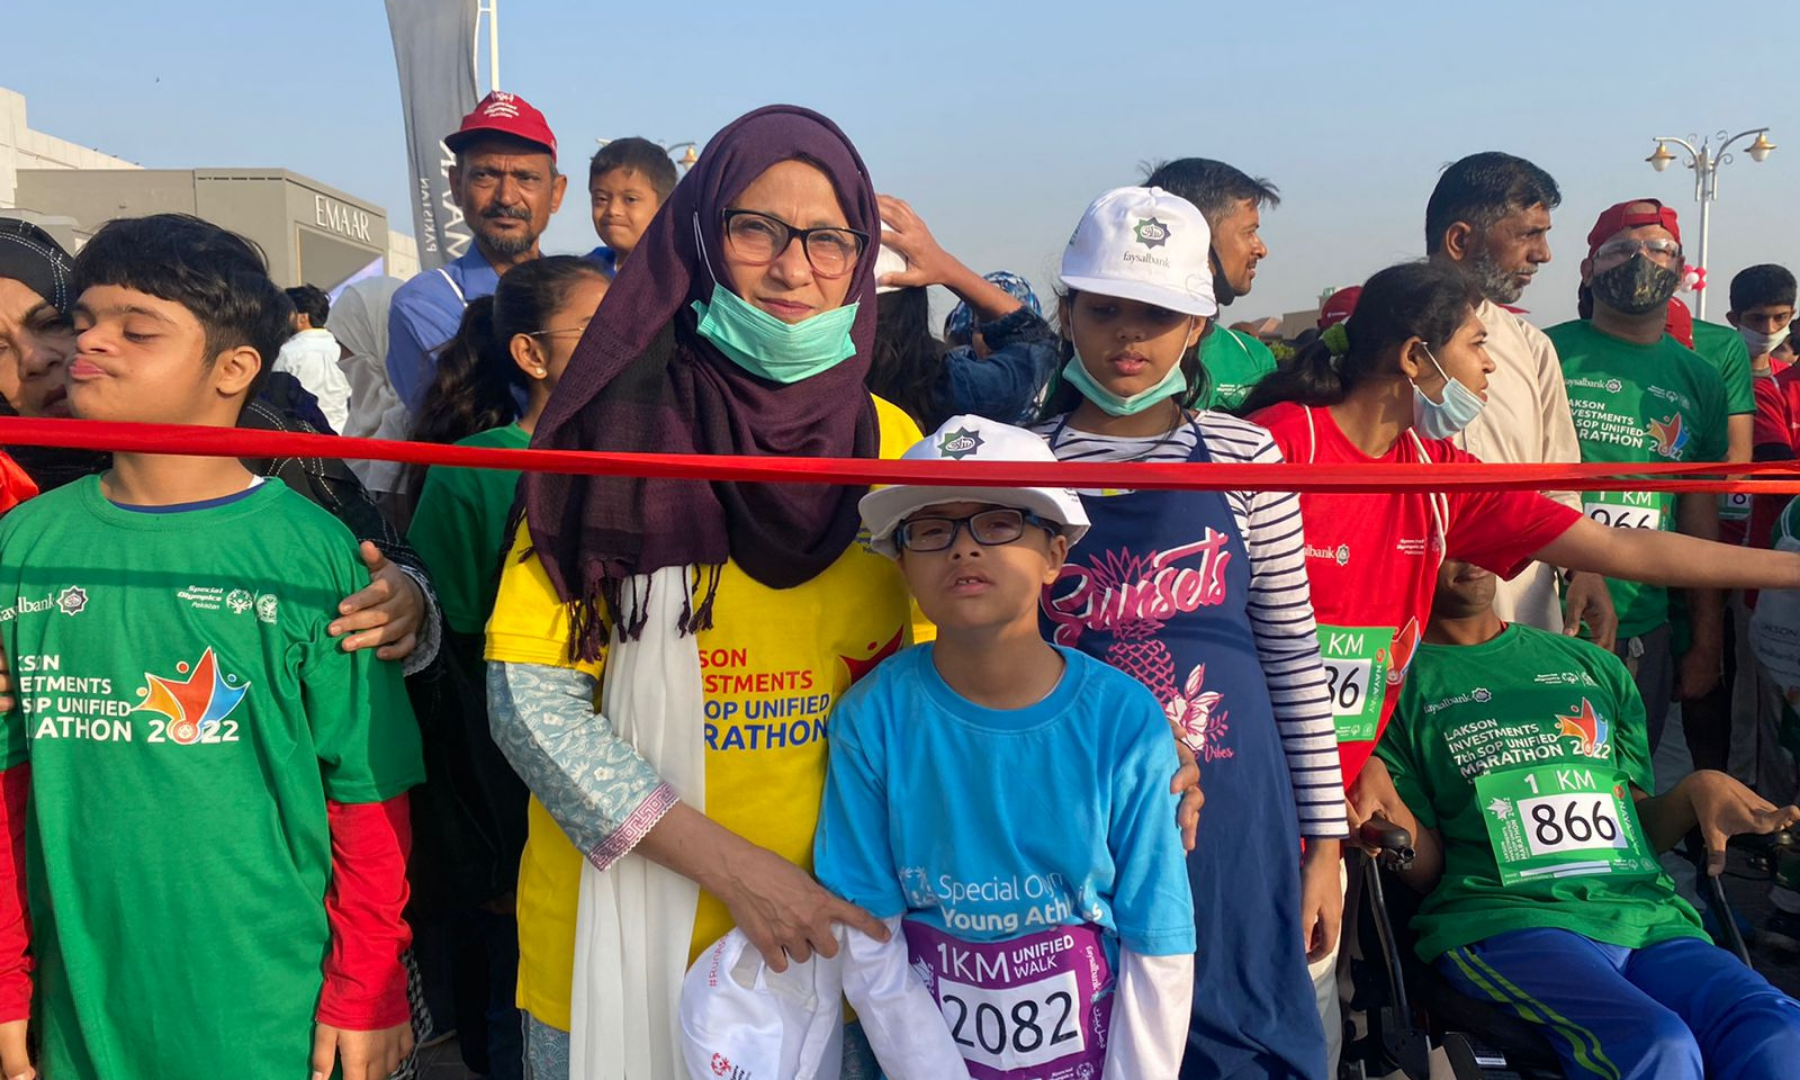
column 312, row 355
column 1002, row 905
column 214, row 862
column 628, row 181
column 1520, row 761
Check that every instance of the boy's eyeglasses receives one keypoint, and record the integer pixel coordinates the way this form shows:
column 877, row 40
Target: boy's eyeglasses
column 990, row 528
column 759, row 240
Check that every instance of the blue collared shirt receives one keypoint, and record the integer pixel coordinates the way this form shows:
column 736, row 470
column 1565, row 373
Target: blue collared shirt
column 424, row 317
column 607, row 259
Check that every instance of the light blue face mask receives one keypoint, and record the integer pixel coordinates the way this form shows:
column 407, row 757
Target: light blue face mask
column 765, row 346
column 1171, row 384
column 1442, row 419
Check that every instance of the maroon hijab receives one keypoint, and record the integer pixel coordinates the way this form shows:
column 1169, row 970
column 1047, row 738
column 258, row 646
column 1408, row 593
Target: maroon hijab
column 642, row 380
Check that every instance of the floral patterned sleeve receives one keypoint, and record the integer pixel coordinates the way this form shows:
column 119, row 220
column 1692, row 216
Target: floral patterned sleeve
column 599, row 789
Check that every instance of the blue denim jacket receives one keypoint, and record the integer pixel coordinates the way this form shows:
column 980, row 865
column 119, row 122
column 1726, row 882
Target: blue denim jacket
column 1007, row 385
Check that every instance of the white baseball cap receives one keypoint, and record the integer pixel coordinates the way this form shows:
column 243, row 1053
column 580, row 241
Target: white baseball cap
column 1144, row 244
column 739, row 1018
column 971, row 438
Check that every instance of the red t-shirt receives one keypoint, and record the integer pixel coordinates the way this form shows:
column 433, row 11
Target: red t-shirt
column 1775, row 437
column 1372, row 560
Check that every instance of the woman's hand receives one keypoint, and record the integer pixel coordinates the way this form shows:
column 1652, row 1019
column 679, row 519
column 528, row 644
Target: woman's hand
column 783, row 911
column 386, row 616
column 1321, row 898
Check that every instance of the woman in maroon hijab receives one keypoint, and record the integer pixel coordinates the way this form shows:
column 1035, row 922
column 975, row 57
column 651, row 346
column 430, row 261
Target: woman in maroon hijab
column 663, row 653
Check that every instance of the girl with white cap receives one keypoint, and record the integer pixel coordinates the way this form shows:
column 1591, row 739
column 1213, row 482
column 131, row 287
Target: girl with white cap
column 1202, row 597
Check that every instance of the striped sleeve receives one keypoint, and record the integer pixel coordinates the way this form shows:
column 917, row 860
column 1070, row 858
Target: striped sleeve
column 1281, row 617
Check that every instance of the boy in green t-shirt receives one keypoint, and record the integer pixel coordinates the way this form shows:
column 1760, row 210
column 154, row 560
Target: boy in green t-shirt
column 1518, row 759
column 214, row 862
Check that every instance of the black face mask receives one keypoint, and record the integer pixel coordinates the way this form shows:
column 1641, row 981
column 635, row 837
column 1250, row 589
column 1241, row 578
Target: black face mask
column 1222, row 290
column 1636, row 287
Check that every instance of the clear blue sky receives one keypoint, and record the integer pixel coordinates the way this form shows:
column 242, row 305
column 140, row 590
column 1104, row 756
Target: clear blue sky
column 999, row 121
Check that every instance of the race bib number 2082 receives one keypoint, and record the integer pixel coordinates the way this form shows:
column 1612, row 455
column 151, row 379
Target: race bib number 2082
column 1035, row 1007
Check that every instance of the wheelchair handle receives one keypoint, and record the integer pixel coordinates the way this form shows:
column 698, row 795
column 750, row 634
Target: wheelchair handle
column 1394, row 843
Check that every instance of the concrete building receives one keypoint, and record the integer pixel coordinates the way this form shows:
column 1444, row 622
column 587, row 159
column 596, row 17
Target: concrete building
column 312, row 233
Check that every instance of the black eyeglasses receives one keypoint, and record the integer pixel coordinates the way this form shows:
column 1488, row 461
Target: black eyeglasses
column 759, row 239
column 990, row 528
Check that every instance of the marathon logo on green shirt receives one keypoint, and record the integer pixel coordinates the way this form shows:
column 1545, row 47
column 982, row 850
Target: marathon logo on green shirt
column 1491, row 743
column 196, row 705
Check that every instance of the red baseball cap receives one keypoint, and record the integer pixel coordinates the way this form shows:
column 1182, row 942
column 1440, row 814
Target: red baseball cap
column 1338, row 306
column 501, row 113
column 1679, row 323
column 1620, row 217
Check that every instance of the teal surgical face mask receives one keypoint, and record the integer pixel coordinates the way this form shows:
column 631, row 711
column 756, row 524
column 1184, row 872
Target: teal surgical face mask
column 1442, row 419
column 1170, row 385
column 765, row 346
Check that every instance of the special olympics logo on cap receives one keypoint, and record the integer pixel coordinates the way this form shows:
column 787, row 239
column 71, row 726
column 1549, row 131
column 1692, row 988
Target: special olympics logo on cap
column 959, row 444
column 1151, row 233
column 720, row 1066
column 501, row 105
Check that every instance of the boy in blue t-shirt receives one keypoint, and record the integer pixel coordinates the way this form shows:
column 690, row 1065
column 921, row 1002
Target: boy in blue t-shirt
column 1004, row 806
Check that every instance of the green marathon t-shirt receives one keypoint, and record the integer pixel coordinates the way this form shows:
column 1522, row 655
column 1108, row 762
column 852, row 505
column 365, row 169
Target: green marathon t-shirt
column 1525, row 702
column 1234, row 364
column 186, row 717
column 459, row 526
column 1638, row 403
column 1723, row 349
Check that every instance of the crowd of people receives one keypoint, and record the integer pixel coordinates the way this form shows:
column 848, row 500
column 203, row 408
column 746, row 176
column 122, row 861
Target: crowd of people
column 638, row 778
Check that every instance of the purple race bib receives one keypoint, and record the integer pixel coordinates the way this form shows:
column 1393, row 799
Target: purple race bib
column 1036, row 1007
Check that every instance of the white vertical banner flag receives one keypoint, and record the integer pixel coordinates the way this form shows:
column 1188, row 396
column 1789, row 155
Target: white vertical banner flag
column 434, row 50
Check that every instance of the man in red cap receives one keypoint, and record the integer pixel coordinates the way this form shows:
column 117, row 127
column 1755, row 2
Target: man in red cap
column 1489, row 217
column 1638, row 395
column 506, row 185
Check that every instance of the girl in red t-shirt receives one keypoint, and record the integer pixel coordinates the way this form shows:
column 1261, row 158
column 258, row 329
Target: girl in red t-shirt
column 1392, row 385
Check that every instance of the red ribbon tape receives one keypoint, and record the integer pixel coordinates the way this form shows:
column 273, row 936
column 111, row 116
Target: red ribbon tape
column 1769, row 478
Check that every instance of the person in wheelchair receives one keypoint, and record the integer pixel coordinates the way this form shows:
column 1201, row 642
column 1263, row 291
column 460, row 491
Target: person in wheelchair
column 1519, row 759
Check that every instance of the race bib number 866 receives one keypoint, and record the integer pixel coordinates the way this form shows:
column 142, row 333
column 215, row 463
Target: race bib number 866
column 1562, row 820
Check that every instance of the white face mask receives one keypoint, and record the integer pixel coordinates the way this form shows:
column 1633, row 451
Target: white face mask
column 1761, row 344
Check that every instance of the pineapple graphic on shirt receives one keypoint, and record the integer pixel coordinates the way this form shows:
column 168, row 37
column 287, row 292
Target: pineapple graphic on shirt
column 1120, row 595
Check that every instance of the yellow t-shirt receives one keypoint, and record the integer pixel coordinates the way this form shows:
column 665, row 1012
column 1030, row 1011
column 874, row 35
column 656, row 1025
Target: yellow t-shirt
column 773, row 665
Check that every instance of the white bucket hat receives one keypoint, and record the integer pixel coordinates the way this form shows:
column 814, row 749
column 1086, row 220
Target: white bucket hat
column 971, row 438
column 1144, row 244
column 741, row 1021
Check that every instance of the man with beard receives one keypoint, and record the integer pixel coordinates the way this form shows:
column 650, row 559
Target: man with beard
column 1231, row 201
column 1639, row 395
column 1489, row 216
column 507, row 187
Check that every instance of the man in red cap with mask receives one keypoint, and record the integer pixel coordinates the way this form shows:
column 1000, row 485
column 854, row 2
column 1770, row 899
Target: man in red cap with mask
column 506, row 184
column 1638, row 395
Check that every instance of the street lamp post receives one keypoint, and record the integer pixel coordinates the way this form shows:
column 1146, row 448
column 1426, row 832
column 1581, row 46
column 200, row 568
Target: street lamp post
column 1706, row 162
